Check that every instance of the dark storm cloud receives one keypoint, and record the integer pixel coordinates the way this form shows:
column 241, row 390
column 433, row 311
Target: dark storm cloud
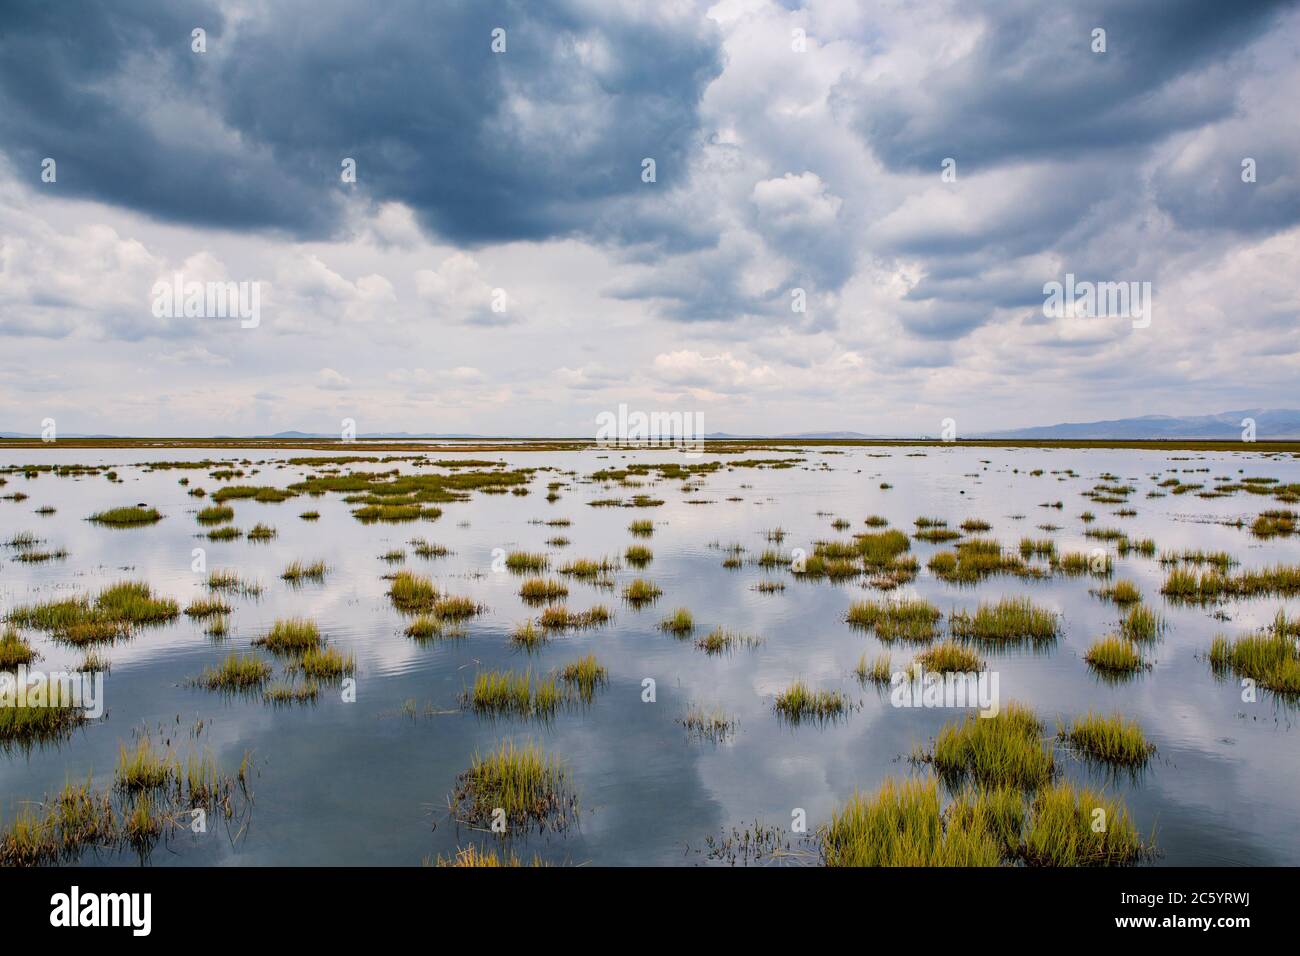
column 483, row 146
column 1031, row 86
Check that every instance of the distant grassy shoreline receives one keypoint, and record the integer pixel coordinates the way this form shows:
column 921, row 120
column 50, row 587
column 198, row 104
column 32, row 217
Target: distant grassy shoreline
column 719, row 446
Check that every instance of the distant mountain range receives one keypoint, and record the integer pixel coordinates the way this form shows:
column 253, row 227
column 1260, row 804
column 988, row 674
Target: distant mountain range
column 1270, row 423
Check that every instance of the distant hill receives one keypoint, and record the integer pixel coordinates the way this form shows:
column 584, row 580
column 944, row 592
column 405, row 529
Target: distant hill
column 1270, row 423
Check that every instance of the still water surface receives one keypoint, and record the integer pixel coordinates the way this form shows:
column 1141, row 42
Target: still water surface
column 367, row 783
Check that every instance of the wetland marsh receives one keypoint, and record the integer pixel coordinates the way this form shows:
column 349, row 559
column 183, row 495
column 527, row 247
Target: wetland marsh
column 357, row 655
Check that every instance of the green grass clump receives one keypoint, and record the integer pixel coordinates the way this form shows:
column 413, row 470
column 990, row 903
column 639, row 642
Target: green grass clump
column 950, row 657
column 224, row 579
column 557, row 617
column 1114, row 654
column 720, row 640
column 1280, row 580
column 369, row 514
column 412, row 593
column 236, row 672
column 641, row 591
column 1140, row 623
column 1075, row 563
column 1066, row 829
column 913, row 619
column 126, row 517
column 309, row 516
column 708, row 723
column 46, row 715
column 976, row 526
column 800, row 702
column 283, row 693
column 1114, row 739
column 144, row 768
column 541, row 590
column 902, row 825
column 1270, row 658
column 1005, row 750
column 680, row 623
column 1275, row 522
column 1037, row 548
column 431, row 627
column 261, row 532
column 114, row 613
column 585, row 674
column 1010, row 620
column 1123, row 591
column 528, row 784
column 292, row 635
column 588, row 568
column 302, row 571
column 454, row 607
column 974, row 560
column 324, row 663
column 642, row 527
column 215, row 514
column 207, row 607
column 528, row 635
column 427, row 549
column 878, row 672
column 225, row 533
column 525, row 562
column 505, row 692
column 14, row 649
column 638, row 555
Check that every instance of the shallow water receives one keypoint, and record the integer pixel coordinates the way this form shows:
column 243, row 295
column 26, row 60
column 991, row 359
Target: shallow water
column 365, row 783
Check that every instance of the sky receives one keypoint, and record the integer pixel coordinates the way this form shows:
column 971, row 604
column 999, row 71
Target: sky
column 850, row 219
